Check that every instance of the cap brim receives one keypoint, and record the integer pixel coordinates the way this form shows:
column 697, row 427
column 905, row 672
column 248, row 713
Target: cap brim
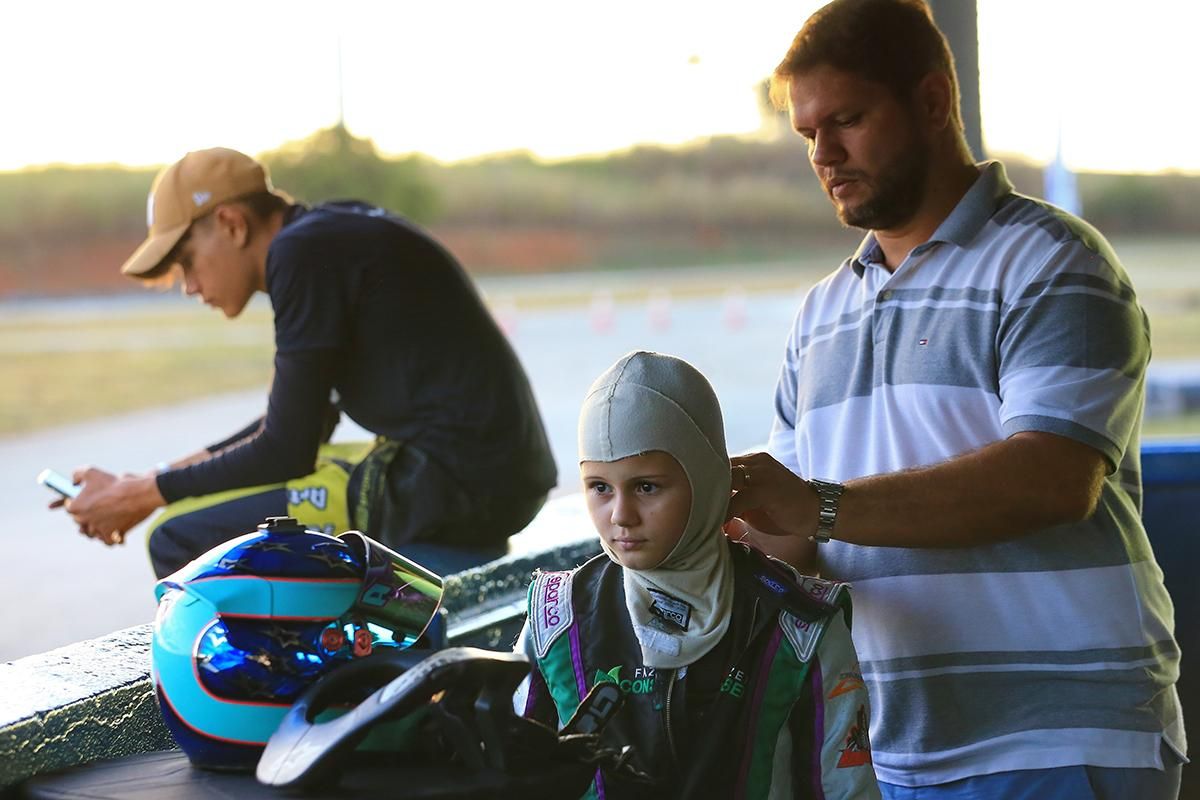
column 152, row 251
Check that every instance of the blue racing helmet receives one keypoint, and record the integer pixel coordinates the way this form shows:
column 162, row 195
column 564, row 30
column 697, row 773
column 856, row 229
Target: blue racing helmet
column 244, row 629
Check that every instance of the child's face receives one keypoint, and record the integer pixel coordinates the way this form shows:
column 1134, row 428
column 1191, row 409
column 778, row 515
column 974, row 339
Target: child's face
column 639, row 505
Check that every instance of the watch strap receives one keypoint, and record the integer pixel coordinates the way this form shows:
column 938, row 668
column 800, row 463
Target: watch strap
column 829, row 494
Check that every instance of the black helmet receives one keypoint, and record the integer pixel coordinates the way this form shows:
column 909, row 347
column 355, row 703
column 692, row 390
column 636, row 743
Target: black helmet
column 464, row 738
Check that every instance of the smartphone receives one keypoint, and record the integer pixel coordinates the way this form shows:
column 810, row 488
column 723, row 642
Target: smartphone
column 59, row 483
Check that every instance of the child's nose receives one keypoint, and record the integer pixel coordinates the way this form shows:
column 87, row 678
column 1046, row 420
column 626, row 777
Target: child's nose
column 624, row 511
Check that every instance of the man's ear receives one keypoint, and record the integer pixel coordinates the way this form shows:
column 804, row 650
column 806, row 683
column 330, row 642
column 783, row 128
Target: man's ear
column 232, row 222
column 934, row 98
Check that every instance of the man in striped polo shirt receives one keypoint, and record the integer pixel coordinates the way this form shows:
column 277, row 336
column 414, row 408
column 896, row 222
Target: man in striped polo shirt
column 967, row 392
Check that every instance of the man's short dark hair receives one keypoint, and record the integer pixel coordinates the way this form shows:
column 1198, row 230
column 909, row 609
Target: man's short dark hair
column 264, row 204
column 892, row 42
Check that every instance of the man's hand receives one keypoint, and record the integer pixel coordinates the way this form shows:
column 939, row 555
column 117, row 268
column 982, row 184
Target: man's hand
column 1028, row 482
column 770, row 498
column 109, row 506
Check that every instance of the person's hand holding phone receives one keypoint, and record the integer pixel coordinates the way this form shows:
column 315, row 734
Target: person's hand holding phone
column 60, row 484
column 108, row 506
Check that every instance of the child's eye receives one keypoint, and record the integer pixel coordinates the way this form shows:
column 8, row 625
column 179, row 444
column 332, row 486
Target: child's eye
column 599, row 487
column 645, row 487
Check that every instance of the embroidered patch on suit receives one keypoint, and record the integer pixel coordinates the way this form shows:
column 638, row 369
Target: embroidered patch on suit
column 847, row 682
column 857, row 751
column 821, row 589
column 552, row 610
column 671, row 610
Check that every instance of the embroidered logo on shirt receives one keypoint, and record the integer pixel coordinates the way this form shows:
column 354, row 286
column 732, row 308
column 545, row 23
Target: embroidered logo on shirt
column 857, row 751
column 735, row 683
column 922, row 342
column 641, row 683
column 675, row 612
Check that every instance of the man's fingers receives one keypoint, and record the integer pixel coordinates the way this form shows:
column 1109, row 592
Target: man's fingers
column 763, row 493
column 739, row 475
column 739, row 503
column 752, row 469
column 742, row 506
column 109, row 539
column 736, row 529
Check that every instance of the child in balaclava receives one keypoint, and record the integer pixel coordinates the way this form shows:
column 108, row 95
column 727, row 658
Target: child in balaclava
column 739, row 676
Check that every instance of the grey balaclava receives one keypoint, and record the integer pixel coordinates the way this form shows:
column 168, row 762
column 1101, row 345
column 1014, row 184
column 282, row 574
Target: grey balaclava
column 650, row 401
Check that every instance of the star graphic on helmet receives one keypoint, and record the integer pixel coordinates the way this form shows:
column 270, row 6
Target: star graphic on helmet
column 334, row 560
column 283, row 637
column 266, row 546
column 248, row 687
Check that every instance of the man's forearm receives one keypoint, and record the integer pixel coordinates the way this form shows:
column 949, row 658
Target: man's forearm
column 231, row 440
column 1001, row 491
column 188, row 460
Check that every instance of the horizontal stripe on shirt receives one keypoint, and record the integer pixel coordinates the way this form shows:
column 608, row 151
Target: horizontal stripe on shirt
column 1014, row 317
column 1034, row 749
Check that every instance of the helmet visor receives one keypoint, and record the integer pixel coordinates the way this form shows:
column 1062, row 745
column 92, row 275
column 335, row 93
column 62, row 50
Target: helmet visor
column 397, row 594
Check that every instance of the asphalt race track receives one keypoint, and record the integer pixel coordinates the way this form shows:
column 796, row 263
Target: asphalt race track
column 57, row 587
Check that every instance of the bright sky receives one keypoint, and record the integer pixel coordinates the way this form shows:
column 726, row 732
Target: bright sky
column 143, row 82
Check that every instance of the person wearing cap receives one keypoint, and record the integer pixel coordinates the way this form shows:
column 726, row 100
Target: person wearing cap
column 739, row 674
column 956, row 434
column 373, row 318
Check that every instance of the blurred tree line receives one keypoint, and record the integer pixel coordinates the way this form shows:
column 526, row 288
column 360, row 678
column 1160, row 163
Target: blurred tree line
column 724, row 196
column 334, row 164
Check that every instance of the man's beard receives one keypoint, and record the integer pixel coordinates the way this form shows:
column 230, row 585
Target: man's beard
column 898, row 192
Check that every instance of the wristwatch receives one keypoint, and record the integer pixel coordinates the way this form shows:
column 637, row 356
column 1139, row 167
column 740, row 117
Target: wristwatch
column 828, row 494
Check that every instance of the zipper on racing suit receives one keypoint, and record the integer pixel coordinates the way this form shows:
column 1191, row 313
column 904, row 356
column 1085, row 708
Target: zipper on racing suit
column 667, row 716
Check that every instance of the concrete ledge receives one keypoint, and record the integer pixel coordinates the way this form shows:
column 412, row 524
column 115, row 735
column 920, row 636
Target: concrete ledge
column 93, row 700
column 86, row 702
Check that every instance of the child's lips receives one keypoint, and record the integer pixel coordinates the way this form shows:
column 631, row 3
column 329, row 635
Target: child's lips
column 628, row 544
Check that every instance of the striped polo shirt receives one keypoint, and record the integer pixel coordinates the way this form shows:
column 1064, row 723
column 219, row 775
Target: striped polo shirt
column 1051, row 649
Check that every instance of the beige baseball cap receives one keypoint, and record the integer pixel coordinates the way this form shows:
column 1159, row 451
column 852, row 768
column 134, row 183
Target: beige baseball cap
column 187, row 190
